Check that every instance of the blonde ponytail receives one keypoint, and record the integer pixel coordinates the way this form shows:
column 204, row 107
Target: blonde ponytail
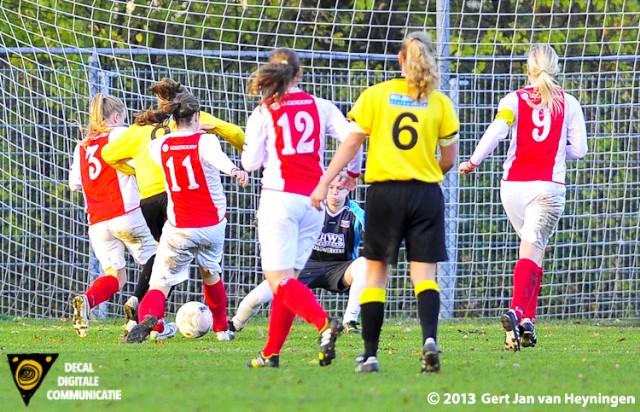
column 419, row 65
column 542, row 63
column 101, row 107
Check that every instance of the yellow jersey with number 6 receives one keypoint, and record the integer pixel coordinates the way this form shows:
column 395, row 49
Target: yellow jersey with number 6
column 403, row 134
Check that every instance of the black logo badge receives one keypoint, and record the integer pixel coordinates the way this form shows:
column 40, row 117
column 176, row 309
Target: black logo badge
column 29, row 370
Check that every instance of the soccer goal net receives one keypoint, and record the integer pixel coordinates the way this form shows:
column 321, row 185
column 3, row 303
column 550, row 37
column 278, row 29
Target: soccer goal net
column 55, row 54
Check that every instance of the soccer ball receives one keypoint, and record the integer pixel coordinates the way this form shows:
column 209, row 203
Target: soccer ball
column 194, row 320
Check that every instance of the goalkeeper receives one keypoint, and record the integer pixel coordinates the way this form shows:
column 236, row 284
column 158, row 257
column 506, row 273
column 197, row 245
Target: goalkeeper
column 333, row 265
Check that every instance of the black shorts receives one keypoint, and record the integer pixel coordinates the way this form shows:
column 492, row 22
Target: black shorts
column 325, row 275
column 154, row 210
column 412, row 211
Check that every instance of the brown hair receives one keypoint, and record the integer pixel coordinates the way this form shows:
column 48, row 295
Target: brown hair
column 101, row 107
column 542, row 63
column 273, row 78
column 166, row 91
column 419, row 64
column 183, row 107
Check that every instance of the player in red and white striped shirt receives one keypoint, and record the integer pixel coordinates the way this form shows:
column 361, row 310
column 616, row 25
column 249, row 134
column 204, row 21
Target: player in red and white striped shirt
column 112, row 203
column 285, row 135
column 191, row 163
column 547, row 127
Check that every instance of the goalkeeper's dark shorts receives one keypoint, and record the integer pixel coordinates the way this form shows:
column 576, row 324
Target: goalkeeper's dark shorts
column 325, row 275
column 154, row 210
column 412, row 211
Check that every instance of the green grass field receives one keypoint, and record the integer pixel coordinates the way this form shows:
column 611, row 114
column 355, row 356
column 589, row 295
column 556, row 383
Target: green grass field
column 572, row 359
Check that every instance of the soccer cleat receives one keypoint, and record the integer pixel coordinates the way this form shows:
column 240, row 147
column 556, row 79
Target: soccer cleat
column 80, row 317
column 142, row 330
column 369, row 365
column 528, row 337
column 233, row 327
column 327, row 340
column 225, row 335
column 169, row 331
column 351, row 328
column 260, row 361
column 130, row 307
column 430, row 357
column 512, row 331
column 127, row 328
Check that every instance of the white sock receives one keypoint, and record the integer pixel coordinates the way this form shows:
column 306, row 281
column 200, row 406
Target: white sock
column 250, row 305
column 359, row 274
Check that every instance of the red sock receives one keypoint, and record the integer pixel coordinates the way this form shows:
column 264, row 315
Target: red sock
column 525, row 279
column 216, row 297
column 300, row 300
column 152, row 305
column 102, row 289
column 280, row 321
column 530, row 312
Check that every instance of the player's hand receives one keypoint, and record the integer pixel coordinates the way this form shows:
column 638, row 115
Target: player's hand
column 466, row 168
column 318, row 195
column 241, row 176
column 206, row 127
column 347, row 181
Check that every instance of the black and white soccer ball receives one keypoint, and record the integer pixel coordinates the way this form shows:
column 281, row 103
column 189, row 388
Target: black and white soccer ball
column 194, row 320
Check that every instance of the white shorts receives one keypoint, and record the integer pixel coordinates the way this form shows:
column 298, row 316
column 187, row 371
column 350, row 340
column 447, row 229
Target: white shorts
column 288, row 227
column 533, row 208
column 110, row 237
column 178, row 247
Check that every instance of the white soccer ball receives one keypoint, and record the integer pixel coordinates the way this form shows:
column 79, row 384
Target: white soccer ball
column 194, row 320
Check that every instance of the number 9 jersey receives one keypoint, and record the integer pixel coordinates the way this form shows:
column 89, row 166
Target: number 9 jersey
column 403, row 134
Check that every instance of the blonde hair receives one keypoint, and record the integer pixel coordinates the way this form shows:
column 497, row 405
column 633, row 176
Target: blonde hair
column 419, row 65
column 102, row 106
column 542, row 63
column 273, row 78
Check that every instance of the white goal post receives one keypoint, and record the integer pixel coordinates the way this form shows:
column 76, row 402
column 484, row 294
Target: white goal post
column 55, row 55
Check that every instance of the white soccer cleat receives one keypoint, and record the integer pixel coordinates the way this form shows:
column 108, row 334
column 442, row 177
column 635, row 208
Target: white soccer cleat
column 225, row 336
column 170, row 330
column 80, row 317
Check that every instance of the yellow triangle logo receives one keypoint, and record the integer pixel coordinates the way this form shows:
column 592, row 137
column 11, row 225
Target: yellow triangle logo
column 28, row 371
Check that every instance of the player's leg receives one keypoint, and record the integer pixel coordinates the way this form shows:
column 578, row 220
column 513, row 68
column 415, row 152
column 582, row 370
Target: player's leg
column 356, row 277
column 260, row 295
column 426, row 227
column 209, row 260
column 142, row 246
column 385, row 230
column 154, row 211
column 110, row 253
column 534, row 210
column 174, row 255
column 372, row 302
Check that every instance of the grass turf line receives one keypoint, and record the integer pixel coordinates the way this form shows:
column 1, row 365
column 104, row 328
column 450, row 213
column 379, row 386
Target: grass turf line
column 583, row 358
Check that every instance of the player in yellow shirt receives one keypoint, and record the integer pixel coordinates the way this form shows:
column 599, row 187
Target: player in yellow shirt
column 406, row 120
column 129, row 153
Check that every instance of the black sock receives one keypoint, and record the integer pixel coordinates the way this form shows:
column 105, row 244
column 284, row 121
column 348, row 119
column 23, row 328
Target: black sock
column 428, row 311
column 372, row 317
column 143, row 281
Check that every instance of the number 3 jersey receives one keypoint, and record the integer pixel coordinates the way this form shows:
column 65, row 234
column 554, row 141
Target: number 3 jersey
column 403, row 134
column 108, row 193
column 191, row 164
column 541, row 141
column 288, row 140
